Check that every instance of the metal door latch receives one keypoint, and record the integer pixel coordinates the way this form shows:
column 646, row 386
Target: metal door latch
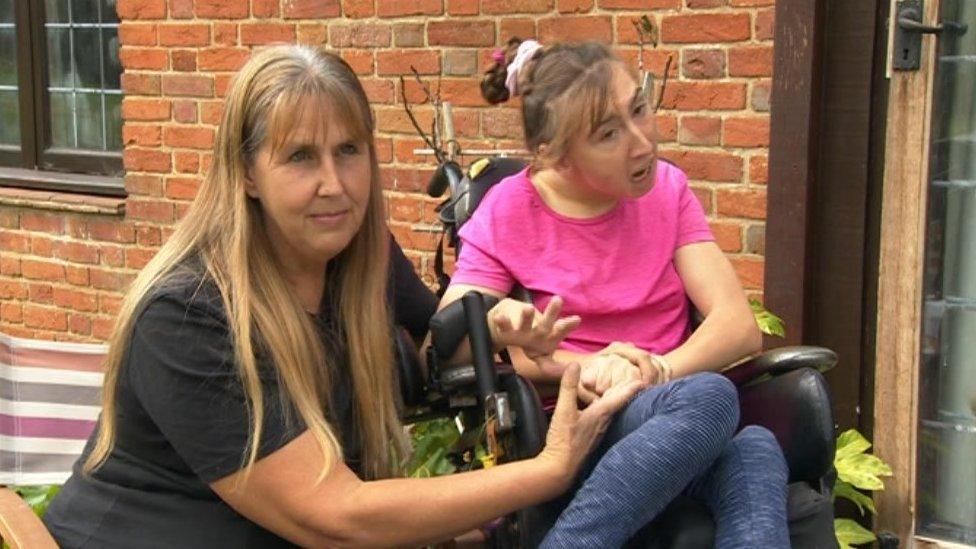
column 909, row 29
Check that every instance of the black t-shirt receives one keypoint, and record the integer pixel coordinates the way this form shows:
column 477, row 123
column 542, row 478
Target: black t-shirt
column 183, row 423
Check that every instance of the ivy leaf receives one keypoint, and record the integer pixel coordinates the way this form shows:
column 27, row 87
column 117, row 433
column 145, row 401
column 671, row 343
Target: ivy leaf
column 862, row 471
column 846, row 491
column 432, row 442
column 850, row 442
column 850, row 533
column 768, row 322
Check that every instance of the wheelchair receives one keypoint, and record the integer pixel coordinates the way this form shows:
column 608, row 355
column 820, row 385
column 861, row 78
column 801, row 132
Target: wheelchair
column 781, row 389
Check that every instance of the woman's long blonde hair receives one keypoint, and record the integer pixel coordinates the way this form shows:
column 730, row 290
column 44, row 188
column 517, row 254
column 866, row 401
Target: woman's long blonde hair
column 224, row 228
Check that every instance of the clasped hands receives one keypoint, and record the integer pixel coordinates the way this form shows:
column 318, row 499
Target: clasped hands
column 518, row 324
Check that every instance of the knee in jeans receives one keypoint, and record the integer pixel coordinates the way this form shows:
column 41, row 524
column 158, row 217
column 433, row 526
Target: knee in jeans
column 718, row 392
column 759, row 444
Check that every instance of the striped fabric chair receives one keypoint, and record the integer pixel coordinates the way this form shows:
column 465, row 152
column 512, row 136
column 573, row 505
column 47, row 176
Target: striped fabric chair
column 49, row 402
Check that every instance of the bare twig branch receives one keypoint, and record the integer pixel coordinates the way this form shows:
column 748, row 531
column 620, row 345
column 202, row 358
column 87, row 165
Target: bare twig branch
column 413, row 121
column 664, row 82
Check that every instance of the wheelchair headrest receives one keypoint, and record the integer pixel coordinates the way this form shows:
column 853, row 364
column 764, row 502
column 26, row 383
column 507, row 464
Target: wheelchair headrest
column 472, row 188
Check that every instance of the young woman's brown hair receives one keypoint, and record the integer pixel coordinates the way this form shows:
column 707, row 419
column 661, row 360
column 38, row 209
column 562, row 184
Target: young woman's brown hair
column 563, row 78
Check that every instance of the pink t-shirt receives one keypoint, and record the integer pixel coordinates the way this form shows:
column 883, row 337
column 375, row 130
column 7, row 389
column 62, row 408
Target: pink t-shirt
column 616, row 270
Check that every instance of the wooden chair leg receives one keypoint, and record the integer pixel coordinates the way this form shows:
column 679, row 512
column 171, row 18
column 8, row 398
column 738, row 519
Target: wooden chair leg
column 19, row 526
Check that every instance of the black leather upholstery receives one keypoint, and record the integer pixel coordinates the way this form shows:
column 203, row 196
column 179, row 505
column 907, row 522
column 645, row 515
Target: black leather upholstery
column 452, row 379
column 448, row 328
column 530, row 423
column 781, row 360
column 796, row 407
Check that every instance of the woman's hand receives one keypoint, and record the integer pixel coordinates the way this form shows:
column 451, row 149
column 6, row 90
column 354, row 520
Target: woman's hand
column 599, row 372
column 574, row 433
column 518, row 324
column 651, row 371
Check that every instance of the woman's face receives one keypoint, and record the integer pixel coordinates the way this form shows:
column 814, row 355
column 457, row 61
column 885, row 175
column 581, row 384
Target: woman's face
column 314, row 189
column 618, row 158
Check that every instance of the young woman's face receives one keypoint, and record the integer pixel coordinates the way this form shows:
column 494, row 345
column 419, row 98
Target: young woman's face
column 314, row 189
column 618, row 158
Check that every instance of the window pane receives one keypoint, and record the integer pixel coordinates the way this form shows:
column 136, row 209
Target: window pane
column 109, row 13
column 8, row 56
column 62, row 119
column 113, row 66
column 6, row 11
column 84, row 11
column 60, row 73
column 9, row 118
column 946, row 476
column 9, row 107
column 56, row 11
column 83, row 74
column 90, row 121
column 113, row 121
column 87, row 58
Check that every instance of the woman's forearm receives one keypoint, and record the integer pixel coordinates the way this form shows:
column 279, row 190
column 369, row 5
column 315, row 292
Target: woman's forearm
column 725, row 336
column 415, row 512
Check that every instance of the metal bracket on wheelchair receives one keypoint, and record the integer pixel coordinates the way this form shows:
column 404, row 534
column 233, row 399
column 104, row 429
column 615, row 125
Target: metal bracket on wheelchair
column 497, row 405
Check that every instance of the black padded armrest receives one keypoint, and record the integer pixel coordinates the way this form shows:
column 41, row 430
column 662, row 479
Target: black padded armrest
column 448, row 328
column 796, row 407
column 782, row 360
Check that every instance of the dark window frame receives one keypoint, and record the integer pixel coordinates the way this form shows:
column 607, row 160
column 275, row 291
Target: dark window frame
column 56, row 169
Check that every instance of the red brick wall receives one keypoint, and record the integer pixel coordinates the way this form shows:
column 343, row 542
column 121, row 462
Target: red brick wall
column 61, row 273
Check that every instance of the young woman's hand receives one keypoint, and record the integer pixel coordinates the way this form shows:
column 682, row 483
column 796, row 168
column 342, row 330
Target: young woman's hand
column 651, row 372
column 573, row 433
column 599, row 372
column 518, row 324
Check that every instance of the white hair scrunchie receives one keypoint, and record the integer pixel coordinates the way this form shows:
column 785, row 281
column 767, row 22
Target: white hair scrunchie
column 525, row 52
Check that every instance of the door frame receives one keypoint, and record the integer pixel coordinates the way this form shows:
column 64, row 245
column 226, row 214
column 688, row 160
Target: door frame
column 823, row 197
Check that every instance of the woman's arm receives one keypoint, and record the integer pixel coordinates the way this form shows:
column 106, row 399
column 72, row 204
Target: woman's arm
column 729, row 331
column 283, row 494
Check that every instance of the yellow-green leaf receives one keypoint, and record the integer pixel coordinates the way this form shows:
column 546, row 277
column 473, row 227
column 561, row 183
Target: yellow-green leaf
column 846, row 491
column 768, row 322
column 862, row 471
column 851, row 442
column 850, row 533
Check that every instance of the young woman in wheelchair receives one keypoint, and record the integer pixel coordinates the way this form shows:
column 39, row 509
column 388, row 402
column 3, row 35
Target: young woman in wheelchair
column 601, row 229
column 249, row 397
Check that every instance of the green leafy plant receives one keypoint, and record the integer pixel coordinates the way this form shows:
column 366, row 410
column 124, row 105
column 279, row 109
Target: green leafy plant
column 767, row 321
column 856, row 471
column 432, row 441
column 37, row 497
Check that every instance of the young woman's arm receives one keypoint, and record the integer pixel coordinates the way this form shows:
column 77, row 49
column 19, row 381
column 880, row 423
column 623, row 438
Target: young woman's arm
column 729, row 331
column 282, row 492
column 532, row 337
column 513, row 323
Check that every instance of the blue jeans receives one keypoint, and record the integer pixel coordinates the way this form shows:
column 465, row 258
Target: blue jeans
column 673, row 439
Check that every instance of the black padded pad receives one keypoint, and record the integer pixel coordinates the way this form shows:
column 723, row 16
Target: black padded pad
column 782, row 360
column 462, row 376
column 449, row 327
column 530, row 422
column 796, row 407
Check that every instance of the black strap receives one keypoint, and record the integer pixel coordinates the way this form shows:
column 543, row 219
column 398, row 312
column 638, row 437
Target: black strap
column 442, row 279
